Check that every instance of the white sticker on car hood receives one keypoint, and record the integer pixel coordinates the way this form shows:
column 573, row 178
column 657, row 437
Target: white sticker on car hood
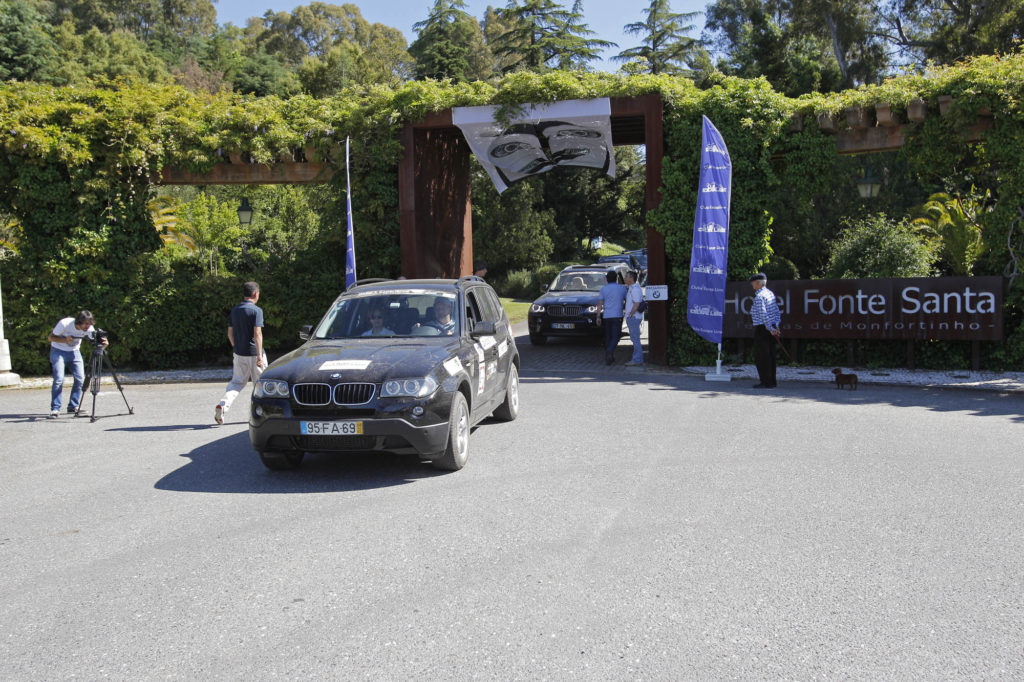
column 487, row 342
column 453, row 366
column 502, row 349
column 344, row 364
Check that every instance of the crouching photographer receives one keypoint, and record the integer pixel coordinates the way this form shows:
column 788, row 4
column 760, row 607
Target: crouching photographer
column 65, row 343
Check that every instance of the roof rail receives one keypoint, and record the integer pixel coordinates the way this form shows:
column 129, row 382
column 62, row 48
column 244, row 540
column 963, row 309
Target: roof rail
column 369, row 280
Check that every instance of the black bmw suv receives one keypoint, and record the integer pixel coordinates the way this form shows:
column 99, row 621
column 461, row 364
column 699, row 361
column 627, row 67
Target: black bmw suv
column 404, row 366
column 569, row 305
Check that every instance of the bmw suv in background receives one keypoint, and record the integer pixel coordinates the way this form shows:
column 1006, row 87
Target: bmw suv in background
column 569, row 305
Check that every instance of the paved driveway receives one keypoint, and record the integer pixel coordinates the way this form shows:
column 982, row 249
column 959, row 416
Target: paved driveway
column 649, row 527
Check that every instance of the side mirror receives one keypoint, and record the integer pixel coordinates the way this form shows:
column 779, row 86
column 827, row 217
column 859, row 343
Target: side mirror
column 305, row 332
column 543, row 287
column 482, row 329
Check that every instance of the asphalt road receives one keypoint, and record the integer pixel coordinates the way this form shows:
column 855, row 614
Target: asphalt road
column 624, row 528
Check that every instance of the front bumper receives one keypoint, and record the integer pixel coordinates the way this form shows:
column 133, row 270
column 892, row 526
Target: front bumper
column 390, row 427
column 582, row 325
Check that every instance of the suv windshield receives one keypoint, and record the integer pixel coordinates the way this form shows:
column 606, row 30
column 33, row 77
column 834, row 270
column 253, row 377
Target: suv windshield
column 579, row 281
column 392, row 313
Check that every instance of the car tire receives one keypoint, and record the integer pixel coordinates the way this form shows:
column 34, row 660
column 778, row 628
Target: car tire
column 538, row 339
column 456, row 451
column 281, row 460
column 509, row 409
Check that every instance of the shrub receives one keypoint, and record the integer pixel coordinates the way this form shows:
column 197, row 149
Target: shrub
column 877, row 246
column 527, row 283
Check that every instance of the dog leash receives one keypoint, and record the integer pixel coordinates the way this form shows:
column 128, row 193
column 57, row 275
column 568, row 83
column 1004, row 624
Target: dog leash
column 779, row 341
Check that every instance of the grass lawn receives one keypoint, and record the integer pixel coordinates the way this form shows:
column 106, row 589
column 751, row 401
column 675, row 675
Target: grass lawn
column 515, row 308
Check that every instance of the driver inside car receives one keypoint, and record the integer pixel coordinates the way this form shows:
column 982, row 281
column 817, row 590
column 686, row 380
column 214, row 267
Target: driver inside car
column 442, row 321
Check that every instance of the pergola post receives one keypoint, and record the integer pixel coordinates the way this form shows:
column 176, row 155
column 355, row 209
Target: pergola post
column 436, row 223
column 434, row 199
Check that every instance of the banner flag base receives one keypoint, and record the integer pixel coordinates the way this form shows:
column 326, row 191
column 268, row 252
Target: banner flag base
column 717, row 375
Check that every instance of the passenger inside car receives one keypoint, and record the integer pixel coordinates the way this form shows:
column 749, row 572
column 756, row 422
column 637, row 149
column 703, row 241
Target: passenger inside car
column 377, row 327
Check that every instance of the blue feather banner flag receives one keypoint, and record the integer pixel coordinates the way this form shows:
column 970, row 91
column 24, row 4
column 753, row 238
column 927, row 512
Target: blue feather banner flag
column 709, row 257
column 350, row 248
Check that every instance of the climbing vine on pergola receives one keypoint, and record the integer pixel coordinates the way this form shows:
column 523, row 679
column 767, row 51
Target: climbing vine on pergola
column 77, row 166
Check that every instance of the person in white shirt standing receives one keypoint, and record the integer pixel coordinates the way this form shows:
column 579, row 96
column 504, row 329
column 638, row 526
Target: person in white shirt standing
column 65, row 351
column 634, row 297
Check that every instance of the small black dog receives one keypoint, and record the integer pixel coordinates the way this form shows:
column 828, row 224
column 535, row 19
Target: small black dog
column 845, row 379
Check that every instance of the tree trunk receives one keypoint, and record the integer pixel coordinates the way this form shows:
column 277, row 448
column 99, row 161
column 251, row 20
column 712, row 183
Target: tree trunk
column 837, row 49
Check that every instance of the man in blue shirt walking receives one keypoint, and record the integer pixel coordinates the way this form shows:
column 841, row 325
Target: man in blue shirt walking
column 764, row 313
column 245, row 333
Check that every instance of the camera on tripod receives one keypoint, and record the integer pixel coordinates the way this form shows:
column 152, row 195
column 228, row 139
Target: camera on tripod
column 97, row 336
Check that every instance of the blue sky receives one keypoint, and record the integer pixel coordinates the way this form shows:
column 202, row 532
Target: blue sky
column 605, row 17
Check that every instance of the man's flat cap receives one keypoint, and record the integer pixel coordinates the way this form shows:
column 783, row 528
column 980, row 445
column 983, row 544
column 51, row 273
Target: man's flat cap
column 759, row 277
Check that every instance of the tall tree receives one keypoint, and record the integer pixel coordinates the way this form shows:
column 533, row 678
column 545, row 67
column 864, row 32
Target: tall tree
column 450, row 44
column 95, row 54
column 26, row 50
column 665, row 46
column 947, row 30
column 313, row 31
column 798, row 44
column 511, row 230
column 588, row 203
column 145, row 19
column 544, row 34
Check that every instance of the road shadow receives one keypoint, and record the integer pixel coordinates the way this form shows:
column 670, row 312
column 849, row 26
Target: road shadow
column 230, row 465
column 939, row 399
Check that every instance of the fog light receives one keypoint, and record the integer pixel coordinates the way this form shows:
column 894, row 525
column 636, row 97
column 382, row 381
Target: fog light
column 417, row 411
column 259, row 410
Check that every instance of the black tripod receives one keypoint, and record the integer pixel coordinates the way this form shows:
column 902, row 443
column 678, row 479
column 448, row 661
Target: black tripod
column 93, row 376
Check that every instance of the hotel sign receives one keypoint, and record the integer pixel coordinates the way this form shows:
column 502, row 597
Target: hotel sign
column 949, row 308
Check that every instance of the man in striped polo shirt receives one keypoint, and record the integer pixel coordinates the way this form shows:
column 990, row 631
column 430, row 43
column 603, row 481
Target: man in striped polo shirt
column 764, row 313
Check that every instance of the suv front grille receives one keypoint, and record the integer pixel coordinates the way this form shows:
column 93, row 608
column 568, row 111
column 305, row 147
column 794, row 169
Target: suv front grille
column 342, row 394
column 565, row 310
column 353, row 394
column 312, row 394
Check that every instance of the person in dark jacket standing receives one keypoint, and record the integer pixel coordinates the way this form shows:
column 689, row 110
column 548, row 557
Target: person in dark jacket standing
column 245, row 333
column 764, row 313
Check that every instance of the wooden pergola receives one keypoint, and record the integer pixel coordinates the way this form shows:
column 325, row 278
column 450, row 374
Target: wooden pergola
column 436, row 230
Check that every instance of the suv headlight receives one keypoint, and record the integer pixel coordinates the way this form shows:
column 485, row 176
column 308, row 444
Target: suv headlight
column 592, row 309
column 270, row 388
column 413, row 388
column 536, row 308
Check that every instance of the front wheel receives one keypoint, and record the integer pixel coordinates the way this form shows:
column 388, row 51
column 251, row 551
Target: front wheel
column 281, row 461
column 456, row 452
column 509, row 409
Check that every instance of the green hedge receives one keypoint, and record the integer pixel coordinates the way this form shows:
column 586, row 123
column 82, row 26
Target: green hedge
column 77, row 165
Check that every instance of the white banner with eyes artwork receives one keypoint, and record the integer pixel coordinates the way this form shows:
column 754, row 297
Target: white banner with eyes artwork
column 541, row 137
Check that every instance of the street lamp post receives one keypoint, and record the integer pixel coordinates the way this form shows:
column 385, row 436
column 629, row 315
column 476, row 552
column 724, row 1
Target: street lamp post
column 244, row 212
column 869, row 184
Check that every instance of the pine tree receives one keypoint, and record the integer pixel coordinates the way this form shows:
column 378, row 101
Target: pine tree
column 665, row 44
